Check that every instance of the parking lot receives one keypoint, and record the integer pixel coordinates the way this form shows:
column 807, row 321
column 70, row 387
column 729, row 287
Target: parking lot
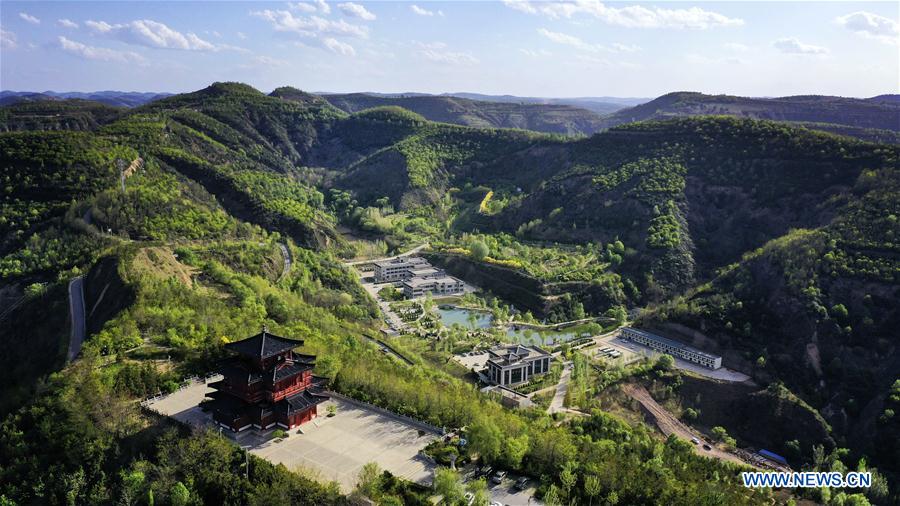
column 472, row 360
column 506, row 492
column 335, row 447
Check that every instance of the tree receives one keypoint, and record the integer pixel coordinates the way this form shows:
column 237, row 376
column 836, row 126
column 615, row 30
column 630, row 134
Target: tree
column 179, row 495
column 479, row 250
column 568, row 478
column 448, row 484
column 369, row 481
column 719, row 433
column 479, row 489
column 591, row 487
column 665, row 362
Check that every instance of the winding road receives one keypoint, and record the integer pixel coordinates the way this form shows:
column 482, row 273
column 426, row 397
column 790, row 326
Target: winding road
column 77, row 314
column 286, row 253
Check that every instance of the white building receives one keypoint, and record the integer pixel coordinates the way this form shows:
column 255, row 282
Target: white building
column 516, row 364
column 672, row 347
column 399, row 269
column 436, row 283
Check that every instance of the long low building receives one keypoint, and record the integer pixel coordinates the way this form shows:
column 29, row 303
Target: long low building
column 672, row 347
column 436, row 284
column 399, row 269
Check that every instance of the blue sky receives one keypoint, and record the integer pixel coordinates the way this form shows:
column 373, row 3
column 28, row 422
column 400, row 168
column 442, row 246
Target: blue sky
column 559, row 49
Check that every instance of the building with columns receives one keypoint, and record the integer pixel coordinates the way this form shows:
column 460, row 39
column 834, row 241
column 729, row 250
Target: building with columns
column 516, row 364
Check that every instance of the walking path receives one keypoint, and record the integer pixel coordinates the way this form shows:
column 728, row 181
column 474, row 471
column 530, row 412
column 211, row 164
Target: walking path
column 76, row 312
column 401, row 255
column 556, row 405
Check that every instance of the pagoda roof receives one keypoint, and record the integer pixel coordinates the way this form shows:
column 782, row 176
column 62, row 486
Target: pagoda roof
column 263, row 345
column 300, row 401
column 286, row 370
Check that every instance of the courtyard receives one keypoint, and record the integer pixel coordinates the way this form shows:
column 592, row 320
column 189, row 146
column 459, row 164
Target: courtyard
column 334, row 448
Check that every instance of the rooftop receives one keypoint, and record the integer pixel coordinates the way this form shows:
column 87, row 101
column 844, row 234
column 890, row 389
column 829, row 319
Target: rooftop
column 402, row 261
column 508, row 355
column 263, row 345
column 673, row 343
column 428, row 280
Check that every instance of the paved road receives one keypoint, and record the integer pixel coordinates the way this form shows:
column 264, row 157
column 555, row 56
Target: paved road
column 286, row 253
column 77, row 316
column 556, row 405
column 401, row 255
column 668, row 424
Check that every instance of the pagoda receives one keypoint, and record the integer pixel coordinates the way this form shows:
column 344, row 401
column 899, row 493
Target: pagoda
column 265, row 384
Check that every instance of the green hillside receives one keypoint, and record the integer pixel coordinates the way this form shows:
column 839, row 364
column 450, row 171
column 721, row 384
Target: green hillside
column 869, row 119
column 763, row 236
column 547, row 118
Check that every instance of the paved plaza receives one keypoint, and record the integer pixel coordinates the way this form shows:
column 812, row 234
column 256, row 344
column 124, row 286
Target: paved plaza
column 336, row 447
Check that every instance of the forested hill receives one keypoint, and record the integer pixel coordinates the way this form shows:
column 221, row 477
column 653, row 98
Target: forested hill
column 110, row 98
column 547, row 118
column 763, row 235
column 820, row 112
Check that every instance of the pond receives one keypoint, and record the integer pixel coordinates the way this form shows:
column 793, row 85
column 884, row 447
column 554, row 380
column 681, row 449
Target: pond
column 450, row 315
column 531, row 336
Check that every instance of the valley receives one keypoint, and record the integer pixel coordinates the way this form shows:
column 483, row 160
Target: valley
column 751, row 239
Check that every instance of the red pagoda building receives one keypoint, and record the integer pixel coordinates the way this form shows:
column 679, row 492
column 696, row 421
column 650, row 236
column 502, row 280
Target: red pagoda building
column 265, row 384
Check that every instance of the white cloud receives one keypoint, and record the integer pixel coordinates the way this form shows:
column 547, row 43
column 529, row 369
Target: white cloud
column 98, row 53
column 149, row 33
column 626, row 48
column 634, row 16
column 792, row 45
column 872, row 26
column 535, row 53
column 311, row 7
column 269, row 61
column 696, row 59
column 66, row 23
column 571, row 40
column 29, row 18
column 312, row 26
column 7, row 39
column 339, row 47
column 356, row 11
column 437, row 52
column 599, row 61
column 736, row 47
column 242, row 35
column 424, row 12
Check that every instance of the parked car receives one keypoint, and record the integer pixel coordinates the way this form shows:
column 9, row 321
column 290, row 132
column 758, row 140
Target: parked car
column 522, row 483
column 486, row 470
column 470, row 498
column 498, row 477
column 707, row 447
column 695, row 441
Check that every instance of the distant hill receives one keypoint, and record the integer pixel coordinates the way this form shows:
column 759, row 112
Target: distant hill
column 112, row 98
column 547, row 118
column 601, row 105
column 882, row 112
column 43, row 112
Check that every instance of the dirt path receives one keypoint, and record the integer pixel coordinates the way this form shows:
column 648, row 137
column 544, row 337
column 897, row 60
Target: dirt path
column 668, row 424
column 401, row 255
